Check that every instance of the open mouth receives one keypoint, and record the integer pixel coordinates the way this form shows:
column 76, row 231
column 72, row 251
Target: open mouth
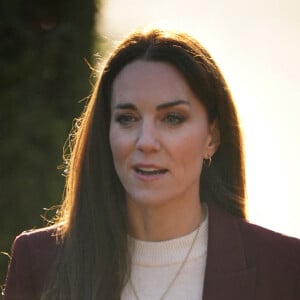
column 150, row 171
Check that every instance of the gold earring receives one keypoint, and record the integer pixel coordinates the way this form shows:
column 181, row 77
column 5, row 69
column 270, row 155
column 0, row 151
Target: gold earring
column 207, row 162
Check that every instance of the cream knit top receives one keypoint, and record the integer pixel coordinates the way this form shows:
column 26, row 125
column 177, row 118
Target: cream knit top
column 154, row 265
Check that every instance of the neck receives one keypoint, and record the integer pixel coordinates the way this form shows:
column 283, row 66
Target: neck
column 164, row 222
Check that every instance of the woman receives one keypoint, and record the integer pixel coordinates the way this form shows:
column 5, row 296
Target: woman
column 155, row 194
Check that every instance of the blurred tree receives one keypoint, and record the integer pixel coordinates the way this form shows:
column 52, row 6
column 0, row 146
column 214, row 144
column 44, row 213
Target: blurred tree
column 43, row 77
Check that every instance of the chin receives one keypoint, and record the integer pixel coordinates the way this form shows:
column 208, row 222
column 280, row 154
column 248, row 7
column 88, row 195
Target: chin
column 149, row 199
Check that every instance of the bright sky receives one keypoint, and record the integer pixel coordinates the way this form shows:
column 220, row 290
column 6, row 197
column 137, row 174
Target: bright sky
column 257, row 46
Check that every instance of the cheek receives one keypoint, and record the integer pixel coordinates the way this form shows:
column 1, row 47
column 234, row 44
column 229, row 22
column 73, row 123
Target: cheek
column 190, row 152
column 120, row 146
column 192, row 145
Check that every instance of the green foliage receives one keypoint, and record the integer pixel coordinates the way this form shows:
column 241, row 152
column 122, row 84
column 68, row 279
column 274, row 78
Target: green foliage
column 43, row 77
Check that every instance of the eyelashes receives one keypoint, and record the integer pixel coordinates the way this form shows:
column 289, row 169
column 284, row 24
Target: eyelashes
column 174, row 118
column 125, row 119
column 170, row 119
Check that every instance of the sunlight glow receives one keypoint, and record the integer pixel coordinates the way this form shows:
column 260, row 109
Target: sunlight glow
column 257, row 46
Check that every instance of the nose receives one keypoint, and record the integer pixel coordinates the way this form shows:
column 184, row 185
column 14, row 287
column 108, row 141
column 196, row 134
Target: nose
column 147, row 140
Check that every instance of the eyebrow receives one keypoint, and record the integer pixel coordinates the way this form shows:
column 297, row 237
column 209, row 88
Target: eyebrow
column 172, row 103
column 158, row 107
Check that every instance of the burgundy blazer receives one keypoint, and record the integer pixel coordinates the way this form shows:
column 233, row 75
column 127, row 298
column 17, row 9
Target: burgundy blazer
column 244, row 262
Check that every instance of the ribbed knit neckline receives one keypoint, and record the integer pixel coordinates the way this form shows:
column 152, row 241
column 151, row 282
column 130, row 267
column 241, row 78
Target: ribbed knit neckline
column 173, row 251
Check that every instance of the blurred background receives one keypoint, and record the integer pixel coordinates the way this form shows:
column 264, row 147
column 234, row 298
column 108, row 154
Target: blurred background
column 44, row 80
column 46, row 47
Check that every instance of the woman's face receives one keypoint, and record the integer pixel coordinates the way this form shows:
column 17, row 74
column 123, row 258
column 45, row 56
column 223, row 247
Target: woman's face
column 159, row 134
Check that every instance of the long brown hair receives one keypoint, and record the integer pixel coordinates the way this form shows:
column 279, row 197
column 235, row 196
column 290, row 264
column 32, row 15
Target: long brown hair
column 93, row 260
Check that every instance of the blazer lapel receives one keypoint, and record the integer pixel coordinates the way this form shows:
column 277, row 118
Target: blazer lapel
column 227, row 275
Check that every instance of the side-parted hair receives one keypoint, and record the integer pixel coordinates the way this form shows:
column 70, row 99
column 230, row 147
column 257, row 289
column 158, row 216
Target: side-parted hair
column 93, row 260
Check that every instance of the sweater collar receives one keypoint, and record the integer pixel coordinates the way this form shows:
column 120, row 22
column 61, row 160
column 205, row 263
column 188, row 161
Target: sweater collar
column 170, row 251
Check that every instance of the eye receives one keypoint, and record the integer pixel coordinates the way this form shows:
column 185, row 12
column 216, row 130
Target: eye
column 126, row 119
column 174, row 118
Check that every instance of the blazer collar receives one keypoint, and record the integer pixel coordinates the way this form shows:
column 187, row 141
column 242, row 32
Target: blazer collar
column 227, row 275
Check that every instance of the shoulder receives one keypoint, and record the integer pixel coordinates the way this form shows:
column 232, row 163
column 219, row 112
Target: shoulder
column 273, row 257
column 37, row 239
column 39, row 247
column 33, row 254
column 270, row 244
column 252, row 234
column 260, row 245
column 268, row 236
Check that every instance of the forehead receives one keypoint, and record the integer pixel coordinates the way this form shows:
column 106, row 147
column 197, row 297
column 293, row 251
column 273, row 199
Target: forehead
column 151, row 80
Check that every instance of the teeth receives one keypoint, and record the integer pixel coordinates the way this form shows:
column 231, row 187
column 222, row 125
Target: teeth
column 148, row 169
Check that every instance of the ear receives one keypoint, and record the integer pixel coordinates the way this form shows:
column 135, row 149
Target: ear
column 214, row 139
